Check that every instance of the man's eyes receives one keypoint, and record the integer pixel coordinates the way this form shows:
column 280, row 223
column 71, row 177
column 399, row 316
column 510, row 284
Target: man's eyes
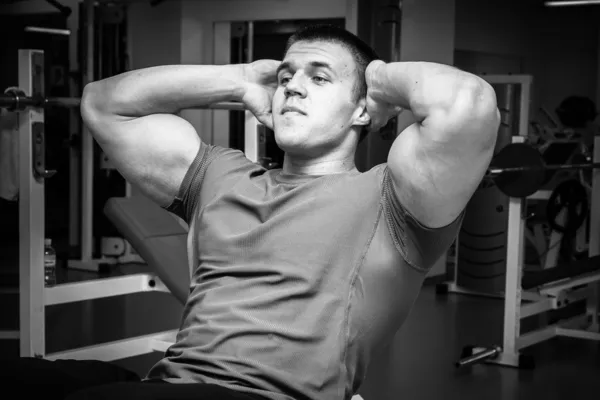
column 319, row 79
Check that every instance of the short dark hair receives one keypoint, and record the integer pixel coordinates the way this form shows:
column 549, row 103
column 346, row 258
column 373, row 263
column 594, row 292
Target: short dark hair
column 361, row 52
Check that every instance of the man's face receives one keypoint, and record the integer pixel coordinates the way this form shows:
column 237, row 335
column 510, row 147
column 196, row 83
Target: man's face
column 314, row 105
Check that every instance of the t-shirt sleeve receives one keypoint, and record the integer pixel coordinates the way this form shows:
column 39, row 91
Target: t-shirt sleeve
column 419, row 245
column 211, row 165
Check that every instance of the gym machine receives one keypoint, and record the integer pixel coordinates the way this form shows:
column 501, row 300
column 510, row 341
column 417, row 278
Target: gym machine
column 29, row 103
column 534, row 293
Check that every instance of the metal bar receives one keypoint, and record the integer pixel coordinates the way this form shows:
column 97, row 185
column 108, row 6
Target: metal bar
column 530, row 296
column 535, row 337
column 538, row 307
column 9, row 335
column 52, row 31
column 514, row 264
column 548, row 332
column 11, row 102
column 250, row 49
column 553, row 289
column 578, row 333
column 101, row 288
column 479, row 356
column 74, row 132
column 498, row 171
column 31, row 222
column 514, row 268
column 251, row 138
column 115, row 350
column 62, row 101
column 594, row 237
column 87, row 147
column 18, row 103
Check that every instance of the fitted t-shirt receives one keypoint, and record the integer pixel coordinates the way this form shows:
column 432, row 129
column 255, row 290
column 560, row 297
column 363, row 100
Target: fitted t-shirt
column 296, row 280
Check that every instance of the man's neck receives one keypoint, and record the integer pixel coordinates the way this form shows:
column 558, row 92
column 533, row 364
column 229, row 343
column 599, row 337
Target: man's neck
column 294, row 166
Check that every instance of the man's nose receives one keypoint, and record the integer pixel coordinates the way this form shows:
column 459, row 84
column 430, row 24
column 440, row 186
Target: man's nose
column 295, row 86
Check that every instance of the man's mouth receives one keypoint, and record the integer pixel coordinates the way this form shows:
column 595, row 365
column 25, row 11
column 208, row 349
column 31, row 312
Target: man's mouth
column 287, row 109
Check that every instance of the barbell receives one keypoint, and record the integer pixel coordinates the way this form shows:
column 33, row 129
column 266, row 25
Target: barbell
column 519, row 170
column 16, row 100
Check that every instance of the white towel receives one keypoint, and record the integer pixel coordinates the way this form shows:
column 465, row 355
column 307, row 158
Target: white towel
column 9, row 155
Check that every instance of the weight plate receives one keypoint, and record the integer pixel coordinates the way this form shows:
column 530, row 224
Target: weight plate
column 522, row 183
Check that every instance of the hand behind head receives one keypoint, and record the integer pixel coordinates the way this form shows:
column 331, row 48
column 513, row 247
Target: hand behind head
column 260, row 84
column 379, row 110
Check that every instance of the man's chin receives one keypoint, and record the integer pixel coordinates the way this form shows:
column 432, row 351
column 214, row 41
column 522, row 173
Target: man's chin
column 289, row 146
column 287, row 136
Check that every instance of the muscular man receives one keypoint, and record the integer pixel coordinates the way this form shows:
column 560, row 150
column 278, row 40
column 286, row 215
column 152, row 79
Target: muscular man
column 299, row 273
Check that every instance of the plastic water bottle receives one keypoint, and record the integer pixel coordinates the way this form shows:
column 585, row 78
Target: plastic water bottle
column 49, row 263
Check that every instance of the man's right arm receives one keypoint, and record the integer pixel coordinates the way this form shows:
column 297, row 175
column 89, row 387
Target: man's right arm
column 132, row 117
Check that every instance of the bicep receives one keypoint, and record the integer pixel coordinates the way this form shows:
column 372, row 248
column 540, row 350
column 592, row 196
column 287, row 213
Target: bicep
column 438, row 164
column 153, row 152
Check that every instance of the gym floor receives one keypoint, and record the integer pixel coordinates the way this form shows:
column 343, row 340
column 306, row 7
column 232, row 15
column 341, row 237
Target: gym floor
column 440, row 325
column 420, row 363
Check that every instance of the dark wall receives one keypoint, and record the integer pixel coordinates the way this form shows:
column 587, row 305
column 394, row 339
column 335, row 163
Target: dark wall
column 377, row 20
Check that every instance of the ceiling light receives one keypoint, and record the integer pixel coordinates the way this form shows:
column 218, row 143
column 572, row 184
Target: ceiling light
column 571, row 3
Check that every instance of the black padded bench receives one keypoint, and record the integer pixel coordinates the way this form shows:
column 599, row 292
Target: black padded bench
column 156, row 236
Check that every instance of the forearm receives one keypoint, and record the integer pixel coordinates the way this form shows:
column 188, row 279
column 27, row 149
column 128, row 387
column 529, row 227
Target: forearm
column 165, row 89
column 425, row 88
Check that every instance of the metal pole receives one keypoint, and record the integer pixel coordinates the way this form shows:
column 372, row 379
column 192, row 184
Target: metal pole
column 250, row 52
column 479, row 357
column 87, row 151
column 251, row 124
column 594, row 238
column 74, row 132
column 51, row 31
column 514, row 258
column 31, row 218
column 10, row 102
column 499, row 171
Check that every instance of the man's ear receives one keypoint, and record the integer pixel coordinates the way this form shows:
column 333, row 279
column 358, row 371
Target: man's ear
column 362, row 117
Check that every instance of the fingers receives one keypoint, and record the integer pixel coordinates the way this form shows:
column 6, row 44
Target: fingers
column 266, row 119
column 381, row 119
column 378, row 120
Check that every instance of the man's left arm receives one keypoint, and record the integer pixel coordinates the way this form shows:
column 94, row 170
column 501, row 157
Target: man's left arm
column 436, row 163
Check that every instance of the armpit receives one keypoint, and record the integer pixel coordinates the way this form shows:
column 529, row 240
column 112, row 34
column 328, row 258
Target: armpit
column 419, row 245
column 184, row 203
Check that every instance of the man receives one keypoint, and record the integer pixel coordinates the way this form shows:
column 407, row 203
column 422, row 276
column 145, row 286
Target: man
column 299, row 273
